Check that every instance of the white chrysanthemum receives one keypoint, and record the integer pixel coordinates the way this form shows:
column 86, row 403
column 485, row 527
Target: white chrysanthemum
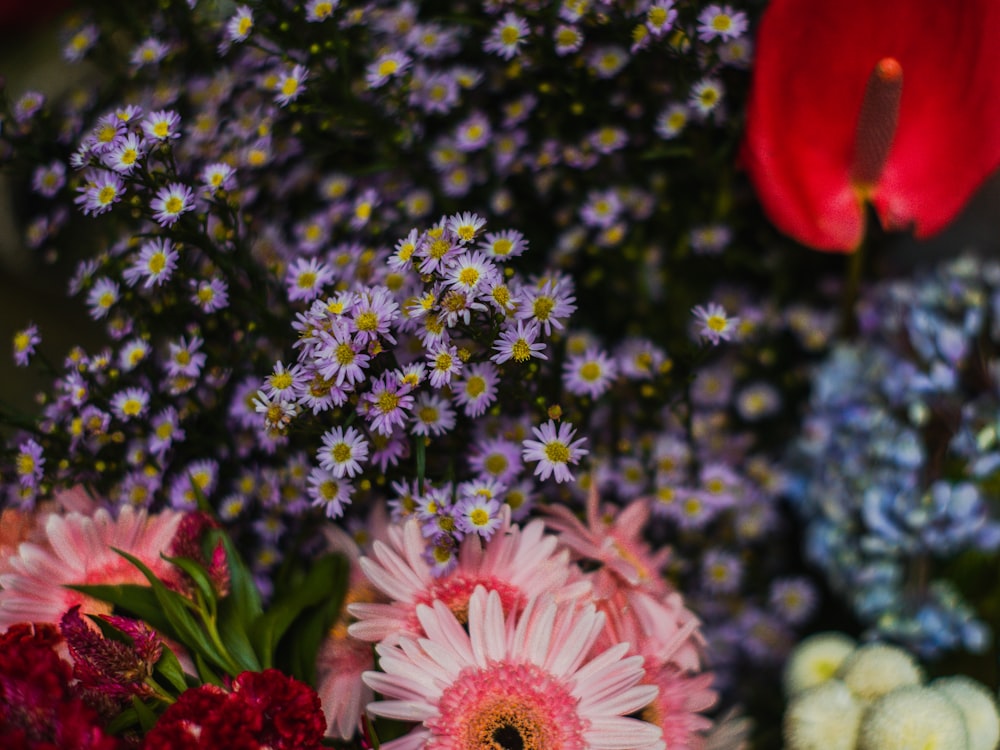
column 816, row 660
column 878, row 668
column 913, row 717
column 978, row 707
column 823, row 717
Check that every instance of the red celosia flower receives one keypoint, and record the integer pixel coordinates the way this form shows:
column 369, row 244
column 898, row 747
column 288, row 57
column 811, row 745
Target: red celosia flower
column 894, row 103
column 38, row 710
column 110, row 672
column 264, row 710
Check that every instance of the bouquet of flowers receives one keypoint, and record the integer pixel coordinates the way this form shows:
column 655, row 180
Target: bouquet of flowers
column 444, row 385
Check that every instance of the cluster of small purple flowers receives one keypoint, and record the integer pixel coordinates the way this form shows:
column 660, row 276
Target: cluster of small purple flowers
column 899, row 451
column 287, row 344
column 420, row 347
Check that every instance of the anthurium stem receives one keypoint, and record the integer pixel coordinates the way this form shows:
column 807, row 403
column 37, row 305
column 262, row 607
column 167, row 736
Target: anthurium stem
column 852, row 285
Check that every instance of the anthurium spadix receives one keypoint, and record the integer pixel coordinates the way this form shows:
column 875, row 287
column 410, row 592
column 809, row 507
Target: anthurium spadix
column 892, row 103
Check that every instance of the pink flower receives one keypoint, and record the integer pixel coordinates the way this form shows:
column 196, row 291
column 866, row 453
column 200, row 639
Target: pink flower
column 77, row 549
column 512, row 680
column 517, row 563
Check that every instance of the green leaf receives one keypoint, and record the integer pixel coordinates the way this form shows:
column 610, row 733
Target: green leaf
column 175, row 608
column 205, row 671
column 198, row 575
column 127, row 718
column 170, row 668
column 370, row 730
column 232, row 631
column 243, row 590
column 147, row 719
column 327, row 576
column 306, row 636
column 132, row 599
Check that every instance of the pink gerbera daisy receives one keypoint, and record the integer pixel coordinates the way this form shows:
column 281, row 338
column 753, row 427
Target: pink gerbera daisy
column 613, row 537
column 77, row 549
column 517, row 563
column 512, row 681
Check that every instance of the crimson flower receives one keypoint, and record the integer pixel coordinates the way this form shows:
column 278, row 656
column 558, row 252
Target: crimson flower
column 263, row 710
column 38, row 710
column 895, row 103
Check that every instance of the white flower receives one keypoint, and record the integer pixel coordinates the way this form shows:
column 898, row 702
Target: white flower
column 816, row 660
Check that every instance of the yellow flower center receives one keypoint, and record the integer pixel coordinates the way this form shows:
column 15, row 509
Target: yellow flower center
column 387, row 402
column 475, row 386
column 557, row 452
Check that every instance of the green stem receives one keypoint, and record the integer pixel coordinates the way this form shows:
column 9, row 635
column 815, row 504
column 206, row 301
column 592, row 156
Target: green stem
column 852, row 287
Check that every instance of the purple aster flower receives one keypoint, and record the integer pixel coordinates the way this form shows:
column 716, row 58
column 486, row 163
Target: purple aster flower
column 185, row 358
column 101, row 190
column 372, row 314
column 721, row 22
column 306, row 279
column 218, row 176
column 554, row 450
column 102, row 297
column 385, row 67
column 210, row 295
column 590, row 373
column 387, row 404
column 290, row 85
column 444, row 364
column 496, row 458
column 130, row 403
column 477, row 389
column 170, row 202
column 714, row 324
column 27, row 105
column 25, row 342
column 328, row 492
column 166, row 430
column 162, row 125
column 28, row 464
column 48, row 180
column 517, row 342
column 507, row 36
column 342, row 452
column 339, row 357
column 149, row 52
column 156, row 263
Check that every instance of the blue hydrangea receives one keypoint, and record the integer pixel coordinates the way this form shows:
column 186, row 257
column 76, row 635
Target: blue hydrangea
column 898, row 450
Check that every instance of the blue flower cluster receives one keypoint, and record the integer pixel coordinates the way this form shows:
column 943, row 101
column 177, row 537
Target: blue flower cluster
column 899, row 449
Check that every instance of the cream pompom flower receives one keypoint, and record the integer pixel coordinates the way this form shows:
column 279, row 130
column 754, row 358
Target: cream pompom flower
column 979, row 709
column 823, row 717
column 875, row 669
column 513, row 681
column 913, row 717
column 815, row 660
column 77, row 549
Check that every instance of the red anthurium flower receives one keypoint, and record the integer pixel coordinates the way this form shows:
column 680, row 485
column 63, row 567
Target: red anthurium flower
column 891, row 102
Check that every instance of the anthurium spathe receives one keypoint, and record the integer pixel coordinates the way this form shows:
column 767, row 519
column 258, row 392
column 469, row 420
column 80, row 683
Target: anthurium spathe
column 895, row 103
